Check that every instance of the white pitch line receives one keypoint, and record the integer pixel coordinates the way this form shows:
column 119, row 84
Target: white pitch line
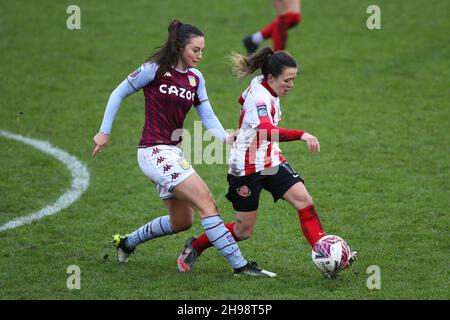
column 80, row 180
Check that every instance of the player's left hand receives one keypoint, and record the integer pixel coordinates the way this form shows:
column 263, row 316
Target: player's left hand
column 312, row 142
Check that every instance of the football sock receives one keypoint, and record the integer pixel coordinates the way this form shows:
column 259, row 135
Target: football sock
column 277, row 29
column 310, row 224
column 156, row 228
column 223, row 240
column 257, row 37
column 292, row 19
column 202, row 242
column 267, row 31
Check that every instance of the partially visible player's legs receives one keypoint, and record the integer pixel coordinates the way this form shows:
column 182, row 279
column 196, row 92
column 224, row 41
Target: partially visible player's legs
column 280, row 33
column 240, row 230
column 194, row 191
column 153, row 161
column 312, row 229
column 288, row 16
column 178, row 219
column 300, row 199
column 158, row 227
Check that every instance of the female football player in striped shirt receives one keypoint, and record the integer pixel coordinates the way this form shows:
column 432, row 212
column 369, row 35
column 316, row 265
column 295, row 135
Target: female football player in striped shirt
column 172, row 85
column 256, row 161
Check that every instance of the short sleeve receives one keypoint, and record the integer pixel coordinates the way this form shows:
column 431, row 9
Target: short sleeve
column 142, row 76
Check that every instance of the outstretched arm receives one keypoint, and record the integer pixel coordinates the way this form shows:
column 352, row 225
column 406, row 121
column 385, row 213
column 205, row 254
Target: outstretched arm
column 133, row 83
column 101, row 139
column 206, row 113
column 273, row 133
column 211, row 122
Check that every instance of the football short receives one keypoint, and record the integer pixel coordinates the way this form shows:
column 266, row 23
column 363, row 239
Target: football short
column 244, row 191
column 166, row 166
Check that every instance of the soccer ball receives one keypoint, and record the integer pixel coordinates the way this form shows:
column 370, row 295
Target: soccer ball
column 330, row 255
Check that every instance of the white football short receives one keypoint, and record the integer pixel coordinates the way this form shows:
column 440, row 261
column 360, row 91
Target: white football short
column 166, row 166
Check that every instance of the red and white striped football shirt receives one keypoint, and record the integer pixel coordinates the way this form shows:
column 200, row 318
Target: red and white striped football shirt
column 256, row 146
column 251, row 152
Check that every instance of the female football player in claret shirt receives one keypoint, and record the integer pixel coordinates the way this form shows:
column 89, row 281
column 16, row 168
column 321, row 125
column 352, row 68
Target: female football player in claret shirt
column 288, row 16
column 256, row 161
column 172, row 85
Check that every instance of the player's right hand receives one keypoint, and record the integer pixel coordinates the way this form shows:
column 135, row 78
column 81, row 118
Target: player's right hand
column 100, row 140
column 232, row 137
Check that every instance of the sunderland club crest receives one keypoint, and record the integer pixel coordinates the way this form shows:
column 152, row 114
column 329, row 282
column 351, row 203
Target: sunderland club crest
column 244, row 191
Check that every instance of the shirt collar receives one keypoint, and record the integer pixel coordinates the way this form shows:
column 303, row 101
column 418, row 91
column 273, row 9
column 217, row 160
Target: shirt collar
column 266, row 85
column 179, row 70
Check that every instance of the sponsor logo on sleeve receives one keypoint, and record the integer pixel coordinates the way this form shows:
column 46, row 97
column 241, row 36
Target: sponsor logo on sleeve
column 262, row 111
column 135, row 73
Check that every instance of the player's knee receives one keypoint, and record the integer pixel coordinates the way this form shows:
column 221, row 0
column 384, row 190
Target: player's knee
column 308, row 199
column 302, row 200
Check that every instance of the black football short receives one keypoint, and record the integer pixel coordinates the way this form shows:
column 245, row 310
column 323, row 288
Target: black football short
column 244, row 191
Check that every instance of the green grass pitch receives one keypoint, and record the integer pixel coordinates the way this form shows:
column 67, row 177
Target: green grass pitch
column 378, row 100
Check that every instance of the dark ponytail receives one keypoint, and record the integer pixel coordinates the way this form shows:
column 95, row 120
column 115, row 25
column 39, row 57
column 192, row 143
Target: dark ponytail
column 168, row 54
column 268, row 61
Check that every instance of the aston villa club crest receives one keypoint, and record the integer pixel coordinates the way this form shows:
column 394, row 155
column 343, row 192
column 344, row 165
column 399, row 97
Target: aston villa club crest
column 192, row 81
column 244, row 191
column 184, row 164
